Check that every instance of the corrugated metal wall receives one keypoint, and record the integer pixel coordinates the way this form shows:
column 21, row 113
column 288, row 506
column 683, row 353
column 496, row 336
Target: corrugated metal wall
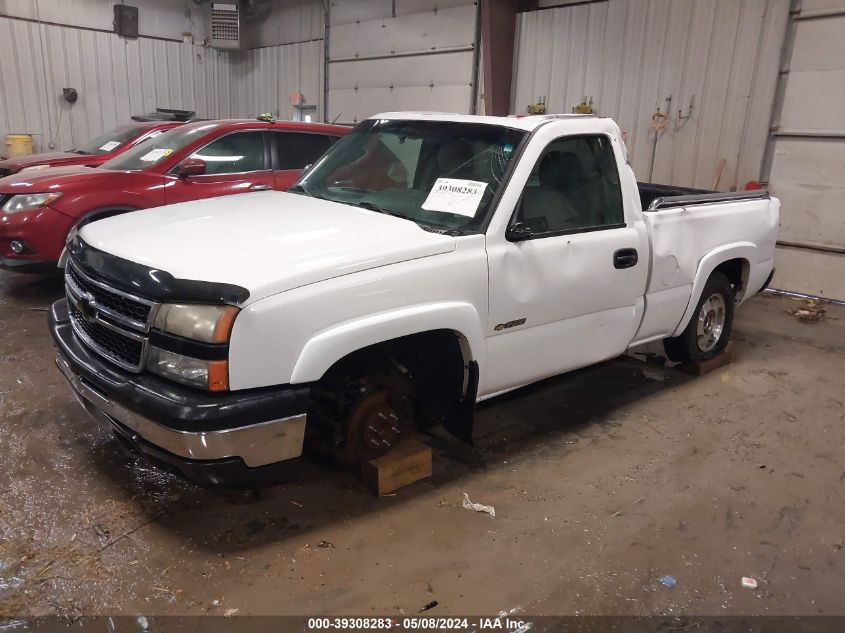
column 631, row 55
column 808, row 153
column 263, row 79
column 115, row 77
column 118, row 77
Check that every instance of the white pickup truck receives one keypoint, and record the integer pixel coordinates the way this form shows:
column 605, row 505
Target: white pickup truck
column 426, row 262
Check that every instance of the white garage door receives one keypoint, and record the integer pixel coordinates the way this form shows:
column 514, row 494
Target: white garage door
column 808, row 157
column 401, row 55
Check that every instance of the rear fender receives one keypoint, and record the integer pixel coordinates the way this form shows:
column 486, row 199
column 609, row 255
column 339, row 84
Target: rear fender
column 331, row 345
column 736, row 250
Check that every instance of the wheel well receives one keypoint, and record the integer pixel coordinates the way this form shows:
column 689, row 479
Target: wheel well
column 444, row 348
column 736, row 270
column 437, row 362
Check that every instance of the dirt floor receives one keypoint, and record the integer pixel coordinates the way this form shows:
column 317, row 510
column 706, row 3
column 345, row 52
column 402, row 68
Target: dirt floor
column 604, row 481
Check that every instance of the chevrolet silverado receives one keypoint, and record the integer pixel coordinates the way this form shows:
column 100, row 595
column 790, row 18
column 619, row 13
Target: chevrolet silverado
column 425, row 263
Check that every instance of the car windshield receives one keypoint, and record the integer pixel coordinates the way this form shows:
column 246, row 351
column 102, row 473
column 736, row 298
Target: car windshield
column 110, row 141
column 154, row 151
column 439, row 174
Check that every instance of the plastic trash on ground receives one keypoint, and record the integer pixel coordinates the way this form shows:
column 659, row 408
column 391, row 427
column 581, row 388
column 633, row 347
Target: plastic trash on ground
column 469, row 505
column 668, row 581
column 749, row 583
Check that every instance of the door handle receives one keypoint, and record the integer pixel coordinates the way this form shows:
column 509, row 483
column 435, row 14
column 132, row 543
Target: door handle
column 625, row 258
column 260, row 188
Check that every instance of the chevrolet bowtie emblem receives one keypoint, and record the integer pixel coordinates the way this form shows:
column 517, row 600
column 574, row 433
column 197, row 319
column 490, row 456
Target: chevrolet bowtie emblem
column 86, row 307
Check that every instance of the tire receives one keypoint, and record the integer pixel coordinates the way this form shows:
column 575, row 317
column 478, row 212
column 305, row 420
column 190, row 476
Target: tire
column 709, row 330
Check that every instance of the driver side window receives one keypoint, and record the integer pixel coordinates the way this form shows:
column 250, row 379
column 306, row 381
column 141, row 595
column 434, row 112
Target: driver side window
column 574, row 187
column 234, row 153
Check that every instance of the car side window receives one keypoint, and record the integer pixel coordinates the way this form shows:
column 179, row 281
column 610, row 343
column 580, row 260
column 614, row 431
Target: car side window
column 574, row 187
column 234, row 153
column 295, row 150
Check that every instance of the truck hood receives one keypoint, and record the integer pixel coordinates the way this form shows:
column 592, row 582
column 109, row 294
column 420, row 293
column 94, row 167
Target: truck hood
column 266, row 242
column 53, row 179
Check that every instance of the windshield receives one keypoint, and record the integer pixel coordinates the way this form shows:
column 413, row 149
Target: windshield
column 152, row 152
column 110, row 141
column 438, row 174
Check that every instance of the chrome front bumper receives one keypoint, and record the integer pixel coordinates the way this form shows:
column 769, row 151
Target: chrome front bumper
column 257, row 445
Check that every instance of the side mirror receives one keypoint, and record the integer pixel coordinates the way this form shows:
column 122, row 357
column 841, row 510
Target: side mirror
column 519, row 232
column 190, row 167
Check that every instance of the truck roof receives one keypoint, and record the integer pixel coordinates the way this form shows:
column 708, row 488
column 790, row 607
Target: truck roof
column 528, row 122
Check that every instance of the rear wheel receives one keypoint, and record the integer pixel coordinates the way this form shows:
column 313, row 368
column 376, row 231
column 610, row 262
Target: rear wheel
column 708, row 332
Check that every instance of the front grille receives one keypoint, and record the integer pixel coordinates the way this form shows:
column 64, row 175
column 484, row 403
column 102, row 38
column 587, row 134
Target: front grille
column 124, row 351
column 120, row 304
column 111, row 322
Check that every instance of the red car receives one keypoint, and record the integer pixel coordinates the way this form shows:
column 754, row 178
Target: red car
column 95, row 152
column 197, row 160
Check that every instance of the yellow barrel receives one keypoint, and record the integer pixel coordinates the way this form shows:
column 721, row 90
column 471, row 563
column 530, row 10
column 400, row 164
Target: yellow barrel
column 18, row 145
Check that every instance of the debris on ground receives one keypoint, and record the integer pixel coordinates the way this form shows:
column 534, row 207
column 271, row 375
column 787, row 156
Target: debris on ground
column 325, row 545
column 230, row 613
column 657, row 375
column 469, row 505
column 668, row 581
column 428, row 606
column 749, row 583
column 812, row 311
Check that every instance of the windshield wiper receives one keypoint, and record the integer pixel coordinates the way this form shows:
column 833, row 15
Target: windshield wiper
column 372, row 206
column 302, row 190
column 423, row 225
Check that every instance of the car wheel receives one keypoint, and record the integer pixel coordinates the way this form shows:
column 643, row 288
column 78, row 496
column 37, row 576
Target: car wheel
column 709, row 330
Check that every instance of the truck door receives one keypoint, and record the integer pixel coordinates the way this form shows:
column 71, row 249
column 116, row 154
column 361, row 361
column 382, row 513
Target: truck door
column 234, row 163
column 293, row 151
column 567, row 281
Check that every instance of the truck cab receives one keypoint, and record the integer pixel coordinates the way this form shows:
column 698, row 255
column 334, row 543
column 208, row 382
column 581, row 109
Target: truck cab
column 425, row 263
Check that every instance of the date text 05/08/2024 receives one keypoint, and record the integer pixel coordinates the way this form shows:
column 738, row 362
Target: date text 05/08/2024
column 421, row 623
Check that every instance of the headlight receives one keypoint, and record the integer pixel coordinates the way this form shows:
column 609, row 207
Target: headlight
column 29, row 201
column 209, row 324
column 35, row 168
column 212, row 375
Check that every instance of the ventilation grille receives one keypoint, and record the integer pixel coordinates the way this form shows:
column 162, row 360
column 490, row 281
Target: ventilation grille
column 225, row 25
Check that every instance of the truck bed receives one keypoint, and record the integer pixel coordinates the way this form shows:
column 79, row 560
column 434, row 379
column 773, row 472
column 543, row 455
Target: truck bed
column 649, row 192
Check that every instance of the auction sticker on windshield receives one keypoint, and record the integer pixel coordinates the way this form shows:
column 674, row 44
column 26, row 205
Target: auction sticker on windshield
column 454, row 195
column 156, row 154
column 110, row 146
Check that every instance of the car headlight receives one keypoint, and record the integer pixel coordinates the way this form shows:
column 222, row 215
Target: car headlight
column 35, row 168
column 29, row 201
column 212, row 375
column 206, row 323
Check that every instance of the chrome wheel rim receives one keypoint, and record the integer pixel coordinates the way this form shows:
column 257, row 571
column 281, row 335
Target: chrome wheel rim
column 711, row 322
